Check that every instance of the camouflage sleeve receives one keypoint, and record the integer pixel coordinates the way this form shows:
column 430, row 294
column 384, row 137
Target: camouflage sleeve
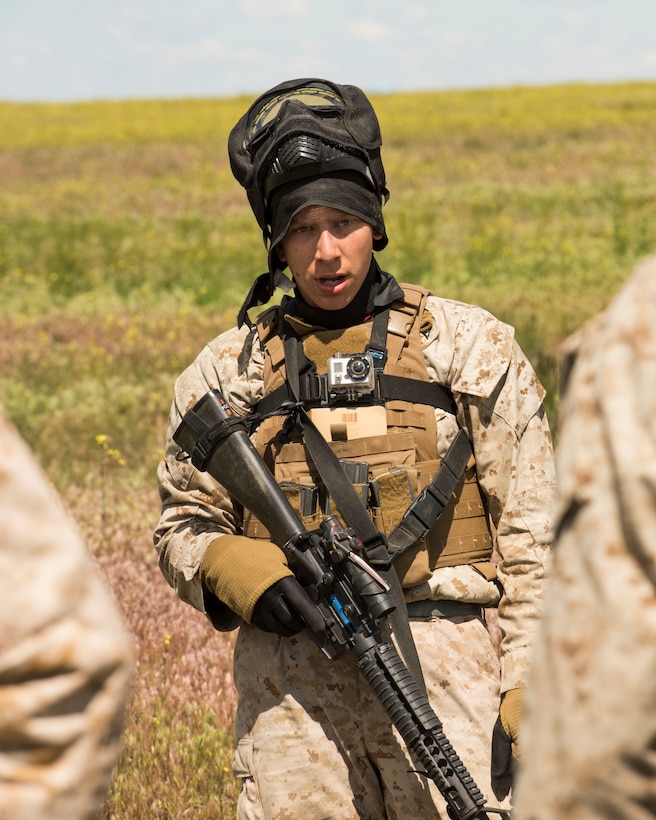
column 195, row 508
column 589, row 751
column 500, row 404
column 65, row 659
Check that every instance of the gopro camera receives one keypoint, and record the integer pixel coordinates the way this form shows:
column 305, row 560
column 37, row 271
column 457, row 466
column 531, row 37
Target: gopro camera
column 352, row 373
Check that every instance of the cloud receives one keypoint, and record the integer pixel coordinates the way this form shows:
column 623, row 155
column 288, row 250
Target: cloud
column 25, row 48
column 203, row 49
column 274, row 9
column 372, row 31
column 189, row 47
column 418, row 12
column 574, row 17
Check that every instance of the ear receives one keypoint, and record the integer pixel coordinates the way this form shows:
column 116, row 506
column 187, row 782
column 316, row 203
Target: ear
column 280, row 253
column 376, row 236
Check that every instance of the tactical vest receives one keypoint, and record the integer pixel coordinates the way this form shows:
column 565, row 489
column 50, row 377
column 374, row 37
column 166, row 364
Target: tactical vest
column 388, row 468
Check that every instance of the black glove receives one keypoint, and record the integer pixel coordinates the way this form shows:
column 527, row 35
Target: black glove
column 286, row 608
column 502, row 771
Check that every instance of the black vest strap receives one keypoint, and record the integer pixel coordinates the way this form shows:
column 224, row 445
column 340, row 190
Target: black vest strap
column 417, row 391
column 377, row 347
column 313, row 390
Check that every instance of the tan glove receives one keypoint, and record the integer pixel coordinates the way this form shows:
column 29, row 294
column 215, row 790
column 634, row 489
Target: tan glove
column 238, row 570
column 511, row 713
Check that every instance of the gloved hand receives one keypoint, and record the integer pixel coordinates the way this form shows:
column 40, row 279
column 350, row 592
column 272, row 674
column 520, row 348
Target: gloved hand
column 238, row 570
column 251, row 576
column 286, row 608
column 505, row 741
column 511, row 713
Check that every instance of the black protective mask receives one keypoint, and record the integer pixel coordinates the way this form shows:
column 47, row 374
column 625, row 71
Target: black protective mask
column 303, row 129
column 307, row 142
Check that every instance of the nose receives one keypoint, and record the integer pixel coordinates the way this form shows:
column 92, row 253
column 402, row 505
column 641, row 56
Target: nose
column 326, row 245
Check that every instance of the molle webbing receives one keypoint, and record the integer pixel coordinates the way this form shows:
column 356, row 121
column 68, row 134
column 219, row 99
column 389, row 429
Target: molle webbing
column 397, row 466
column 404, row 321
column 423, row 512
column 393, row 480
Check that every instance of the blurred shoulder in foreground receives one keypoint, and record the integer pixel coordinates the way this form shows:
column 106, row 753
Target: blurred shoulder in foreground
column 65, row 658
column 590, row 732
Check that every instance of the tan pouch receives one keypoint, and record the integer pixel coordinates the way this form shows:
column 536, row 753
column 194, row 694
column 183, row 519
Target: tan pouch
column 348, row 423
column 304, row 500
column 392, row 492
column 460, row 536
column 382, row 454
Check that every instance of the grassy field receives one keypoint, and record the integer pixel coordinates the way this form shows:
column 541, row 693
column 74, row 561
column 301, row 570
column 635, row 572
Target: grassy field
column 125, row 244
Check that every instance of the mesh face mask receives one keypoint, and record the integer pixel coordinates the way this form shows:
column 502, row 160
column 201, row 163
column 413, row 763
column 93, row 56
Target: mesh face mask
column 263, row 113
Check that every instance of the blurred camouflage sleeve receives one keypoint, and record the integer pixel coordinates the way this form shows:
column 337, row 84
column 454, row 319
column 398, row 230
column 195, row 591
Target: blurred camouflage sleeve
column 500, row 405
column 589, row 752
column 195, row 508
column 65, row 659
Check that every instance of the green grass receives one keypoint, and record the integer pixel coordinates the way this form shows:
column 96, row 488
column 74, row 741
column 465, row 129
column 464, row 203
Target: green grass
column 125, row 245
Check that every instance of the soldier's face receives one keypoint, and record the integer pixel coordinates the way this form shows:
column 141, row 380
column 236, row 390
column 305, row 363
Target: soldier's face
column 329, row 253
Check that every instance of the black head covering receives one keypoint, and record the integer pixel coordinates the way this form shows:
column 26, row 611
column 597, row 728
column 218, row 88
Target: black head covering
column 307, row 142
column 346, row 191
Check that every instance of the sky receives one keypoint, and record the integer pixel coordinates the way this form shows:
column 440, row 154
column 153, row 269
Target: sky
column 70, row 50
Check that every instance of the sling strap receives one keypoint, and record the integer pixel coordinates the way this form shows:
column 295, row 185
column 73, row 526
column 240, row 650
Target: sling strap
column 206, row 437
column 421, row 515
column 356, row 516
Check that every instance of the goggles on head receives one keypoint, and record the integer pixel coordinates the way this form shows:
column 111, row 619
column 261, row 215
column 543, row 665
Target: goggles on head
column 302, row 156
column 302, row 129
column 317, row 96
column 306, row 133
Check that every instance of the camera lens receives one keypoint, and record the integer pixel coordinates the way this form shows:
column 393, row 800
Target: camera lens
column 358, row 368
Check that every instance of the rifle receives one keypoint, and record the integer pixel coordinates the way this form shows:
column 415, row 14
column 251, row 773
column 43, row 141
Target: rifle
column 351, row 596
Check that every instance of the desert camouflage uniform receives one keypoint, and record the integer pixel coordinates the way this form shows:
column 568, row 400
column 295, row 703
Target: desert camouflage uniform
column 307, row 728
column 65, row 660
column 590, row 735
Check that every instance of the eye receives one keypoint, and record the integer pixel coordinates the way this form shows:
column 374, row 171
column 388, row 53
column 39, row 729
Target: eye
column 347, row 224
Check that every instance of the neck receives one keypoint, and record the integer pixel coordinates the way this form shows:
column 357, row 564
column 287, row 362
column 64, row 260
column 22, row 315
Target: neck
column 355, row 313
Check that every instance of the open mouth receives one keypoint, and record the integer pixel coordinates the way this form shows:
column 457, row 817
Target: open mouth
column 330, row 282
